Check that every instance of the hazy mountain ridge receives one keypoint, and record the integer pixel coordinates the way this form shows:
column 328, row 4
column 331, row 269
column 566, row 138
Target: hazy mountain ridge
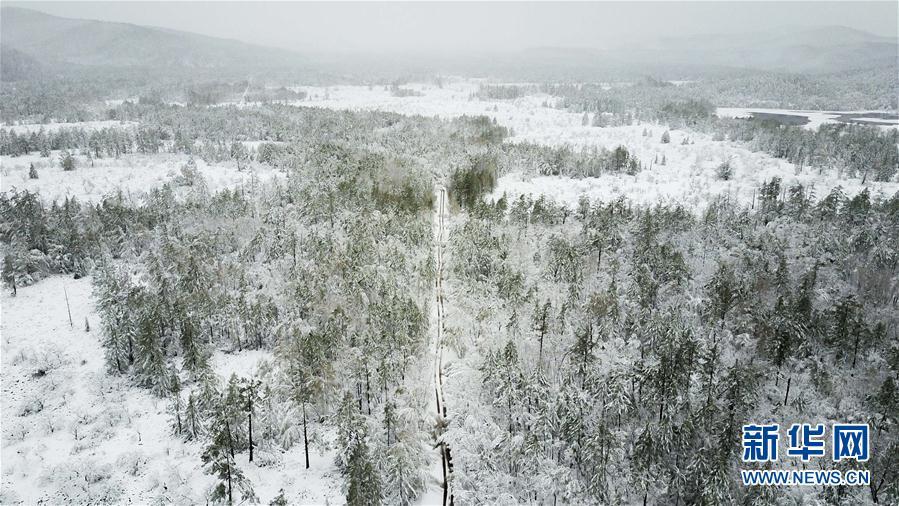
column 55, row 40
column 817, row 50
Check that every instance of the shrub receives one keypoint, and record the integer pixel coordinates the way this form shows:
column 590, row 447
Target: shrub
column 67, row 162
column 725, row 171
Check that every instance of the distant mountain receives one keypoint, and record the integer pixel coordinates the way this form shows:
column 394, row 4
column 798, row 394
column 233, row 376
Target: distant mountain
column 16, row 65
column 33, row 42
column 817, row 50
column 54, row 40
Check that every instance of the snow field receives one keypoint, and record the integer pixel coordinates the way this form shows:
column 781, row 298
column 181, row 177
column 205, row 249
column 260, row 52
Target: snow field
column 132, row 173
column 89, row 126
column 73, row 433
column 688, row 177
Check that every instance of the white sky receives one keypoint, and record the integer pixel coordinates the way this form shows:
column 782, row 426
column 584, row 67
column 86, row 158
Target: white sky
column 454, row 27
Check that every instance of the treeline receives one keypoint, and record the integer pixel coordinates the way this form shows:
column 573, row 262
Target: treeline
column 69, row 236
column 79, row 93
column 108, row 141
column 503, row 91
column 212, row 93
column 476, row 177
column 857, row 90
column 567, row 161
column 619, row 349
column 217, row 134
column 857, row 151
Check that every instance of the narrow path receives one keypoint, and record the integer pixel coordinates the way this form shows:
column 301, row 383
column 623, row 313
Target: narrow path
column 446, row 461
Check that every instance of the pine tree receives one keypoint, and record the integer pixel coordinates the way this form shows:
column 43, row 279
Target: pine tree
column 403, row 474
column 194, row 354
column 666, row 138
column 209, row 395
column 232, row 409
column 240, row 155
column 193, row 422
column 176, row 406
column 724, row 292
column 44, row 146
column 32, row 172
column 307, row 360
column 363, row 482
column 250, row 398
column 540, row 325
column 150, row 364
column 354, row 460
column 67, row 161
column 218, row 459
column 279, row 499
column 116, row 303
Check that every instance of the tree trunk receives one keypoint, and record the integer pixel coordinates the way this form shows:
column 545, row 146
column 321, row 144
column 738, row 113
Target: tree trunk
column 368, row 390
column 230, row 499
column 230, row 440
column 787, row 395
column 250, row 418
column 305, row 437
column 542, row 333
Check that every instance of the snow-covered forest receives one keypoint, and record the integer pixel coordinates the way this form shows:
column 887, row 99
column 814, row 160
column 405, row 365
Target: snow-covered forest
column 330, row 283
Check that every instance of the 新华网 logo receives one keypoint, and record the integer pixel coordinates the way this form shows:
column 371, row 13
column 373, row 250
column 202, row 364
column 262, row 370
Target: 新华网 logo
column 804, row 442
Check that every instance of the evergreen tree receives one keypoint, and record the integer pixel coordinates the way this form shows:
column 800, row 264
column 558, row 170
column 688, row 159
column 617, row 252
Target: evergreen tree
column 116, row 303
column 67, row 161
column 218, row 459
column 354, row 460
column 151, row 369
column 240, row 155
column 403, row 474
column 177, row 407
column 724, row 292
column 306, row 359
column 32, row 172
column 193, row 422
column 279, row 499
column 250, row 398
column 540, row 325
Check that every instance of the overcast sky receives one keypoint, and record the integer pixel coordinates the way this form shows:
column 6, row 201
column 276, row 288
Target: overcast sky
column 380, row 27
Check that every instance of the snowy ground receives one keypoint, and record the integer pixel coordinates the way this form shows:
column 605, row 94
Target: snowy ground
column 689, row 176
column 133, row 173
column 52, row 127
column 72, row 433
